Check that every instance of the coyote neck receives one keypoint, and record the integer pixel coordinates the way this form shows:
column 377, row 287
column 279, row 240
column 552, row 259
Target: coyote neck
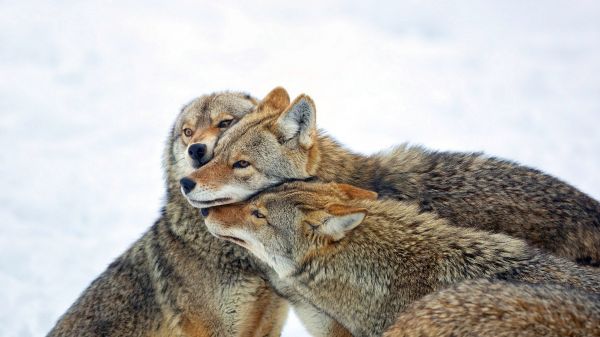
column 186, row 224
column 335, row 163
column 394, row 175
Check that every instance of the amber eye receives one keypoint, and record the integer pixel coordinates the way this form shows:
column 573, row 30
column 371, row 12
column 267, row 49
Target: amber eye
column 241, row 164
column 188, row 132
column 225, row 123
column 258, row 214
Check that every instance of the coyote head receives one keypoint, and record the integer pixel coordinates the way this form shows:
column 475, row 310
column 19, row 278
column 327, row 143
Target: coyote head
column 274, row 144
column 286, row 224
column 199, row 126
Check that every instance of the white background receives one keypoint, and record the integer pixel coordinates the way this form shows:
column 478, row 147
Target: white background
column 88, row 92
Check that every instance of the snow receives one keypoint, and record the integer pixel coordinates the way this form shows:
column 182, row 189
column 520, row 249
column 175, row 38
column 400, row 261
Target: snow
column 88, row 91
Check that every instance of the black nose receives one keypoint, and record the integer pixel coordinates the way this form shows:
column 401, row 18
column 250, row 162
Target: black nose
column 187, row 184
column 204, row 212
column 197, row 151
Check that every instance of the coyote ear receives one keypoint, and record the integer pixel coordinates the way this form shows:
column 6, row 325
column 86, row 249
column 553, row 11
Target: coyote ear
column 342, row 220
column 298, row 121
column 355, row 193
column 276, row 100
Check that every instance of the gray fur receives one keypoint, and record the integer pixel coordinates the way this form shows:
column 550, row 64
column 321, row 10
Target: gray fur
column 468, row 189
column 177, row 279
column 397, row 255
column 482, row 308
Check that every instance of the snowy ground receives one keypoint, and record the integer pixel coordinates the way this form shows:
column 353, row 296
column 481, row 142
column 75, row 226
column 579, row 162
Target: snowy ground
column 88, row 91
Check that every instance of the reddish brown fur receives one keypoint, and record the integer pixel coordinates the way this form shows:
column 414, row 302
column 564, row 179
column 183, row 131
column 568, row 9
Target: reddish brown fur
column 218, row 175
column 195, row 326
column 206, row 135
column 277, row 100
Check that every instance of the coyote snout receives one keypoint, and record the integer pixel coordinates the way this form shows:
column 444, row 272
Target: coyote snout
column 187, row 185
column 198, row 154
column 201, row 196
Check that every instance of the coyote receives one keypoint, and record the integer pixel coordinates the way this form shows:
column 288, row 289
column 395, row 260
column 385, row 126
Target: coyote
column 362, row 260
column 468, row 189
column 177, row 279
column 482, row 308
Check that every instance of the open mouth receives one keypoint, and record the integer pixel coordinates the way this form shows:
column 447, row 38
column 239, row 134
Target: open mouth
column 208, row 203
column 232, row 239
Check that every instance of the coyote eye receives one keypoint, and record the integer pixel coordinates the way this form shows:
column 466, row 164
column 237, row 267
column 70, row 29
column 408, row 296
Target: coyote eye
column 224, row 123
column 258, row 214
column 241, row 164
column 188, row 132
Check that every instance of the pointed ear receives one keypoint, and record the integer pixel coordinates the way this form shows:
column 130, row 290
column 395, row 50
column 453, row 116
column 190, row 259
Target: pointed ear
column 298, row 121
column 277, row 100
column 343, row 219
column 355, row 193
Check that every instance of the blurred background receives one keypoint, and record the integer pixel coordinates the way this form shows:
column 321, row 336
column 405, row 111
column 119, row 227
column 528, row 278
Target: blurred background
column 88, row 92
